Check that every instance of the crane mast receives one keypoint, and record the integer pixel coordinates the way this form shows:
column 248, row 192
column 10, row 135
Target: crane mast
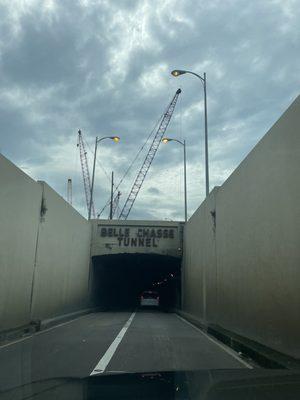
column 85, row 172
column 149, row 158
column 116, row 201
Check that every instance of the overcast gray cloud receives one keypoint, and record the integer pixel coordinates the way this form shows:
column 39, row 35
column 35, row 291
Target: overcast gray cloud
column 104, row 67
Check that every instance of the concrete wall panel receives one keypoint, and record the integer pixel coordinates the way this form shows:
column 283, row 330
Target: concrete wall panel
column 258, row 231
column 257, row 255
column 20, row 200
column 199, row 260
column 62, row 268
column 44, row 262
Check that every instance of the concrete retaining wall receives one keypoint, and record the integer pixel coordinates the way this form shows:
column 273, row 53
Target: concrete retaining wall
column 20, row 201
column 62, row 265
column 199, row 288
column 243, row 273
column 44, row 261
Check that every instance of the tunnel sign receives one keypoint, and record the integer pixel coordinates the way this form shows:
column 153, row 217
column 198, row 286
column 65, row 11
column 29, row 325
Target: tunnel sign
column 136, row 236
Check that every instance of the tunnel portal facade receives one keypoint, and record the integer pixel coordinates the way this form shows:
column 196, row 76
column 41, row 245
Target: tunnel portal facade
column 130, row 257
column 143, row 237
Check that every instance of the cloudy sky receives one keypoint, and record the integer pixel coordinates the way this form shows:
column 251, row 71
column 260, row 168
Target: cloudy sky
column 104, row 66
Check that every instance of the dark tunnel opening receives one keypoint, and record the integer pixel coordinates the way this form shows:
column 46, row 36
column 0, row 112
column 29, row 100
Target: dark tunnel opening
column 120, row 279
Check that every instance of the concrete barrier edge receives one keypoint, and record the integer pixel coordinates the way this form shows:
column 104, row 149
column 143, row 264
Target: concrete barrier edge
column 48, row 323
column 262, row 355
column 38, row 325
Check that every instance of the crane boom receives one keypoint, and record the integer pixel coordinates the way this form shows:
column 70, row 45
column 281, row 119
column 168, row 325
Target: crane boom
column 149, row 158
column 85, row 172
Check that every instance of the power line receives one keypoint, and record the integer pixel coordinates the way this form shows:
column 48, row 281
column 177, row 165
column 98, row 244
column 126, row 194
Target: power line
column 132, row 163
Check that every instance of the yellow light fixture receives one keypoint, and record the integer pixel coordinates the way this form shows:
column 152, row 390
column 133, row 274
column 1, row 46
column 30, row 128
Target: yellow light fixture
column 178, row 72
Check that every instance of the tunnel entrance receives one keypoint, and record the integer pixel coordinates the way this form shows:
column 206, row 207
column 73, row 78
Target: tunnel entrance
column 119, row 280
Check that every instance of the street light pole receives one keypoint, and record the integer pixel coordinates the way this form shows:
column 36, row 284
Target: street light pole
column 93, row 179
column 206, row 138
column 176, row 73
column 111, row 196
column 166, row 140
column 115, row 139
column 185, row 194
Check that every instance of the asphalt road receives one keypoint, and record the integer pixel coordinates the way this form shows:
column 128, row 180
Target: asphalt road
column 112, row 342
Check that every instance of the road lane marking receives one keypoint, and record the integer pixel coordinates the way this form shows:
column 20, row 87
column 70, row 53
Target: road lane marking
column 222, row 346
column 104, row 361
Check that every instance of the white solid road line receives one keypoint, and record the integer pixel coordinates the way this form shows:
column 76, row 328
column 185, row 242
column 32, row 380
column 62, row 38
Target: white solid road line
column 223, row 347
column 104, row 361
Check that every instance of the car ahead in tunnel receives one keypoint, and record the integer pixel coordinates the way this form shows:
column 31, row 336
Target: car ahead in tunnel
column 149, row 298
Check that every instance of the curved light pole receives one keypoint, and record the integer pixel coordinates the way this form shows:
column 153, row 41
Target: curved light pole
column 115, row 139
column 166, row 140
column 178, row 72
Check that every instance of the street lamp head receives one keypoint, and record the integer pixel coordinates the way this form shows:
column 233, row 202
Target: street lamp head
column 178, row 72
column 114, row 138
column 166, row 140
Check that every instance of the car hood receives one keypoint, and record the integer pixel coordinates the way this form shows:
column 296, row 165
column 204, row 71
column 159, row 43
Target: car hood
column 203, row 384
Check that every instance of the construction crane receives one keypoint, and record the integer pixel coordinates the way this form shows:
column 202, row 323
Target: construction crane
column 116, row 201
column 85, row 172
column 165, row 120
